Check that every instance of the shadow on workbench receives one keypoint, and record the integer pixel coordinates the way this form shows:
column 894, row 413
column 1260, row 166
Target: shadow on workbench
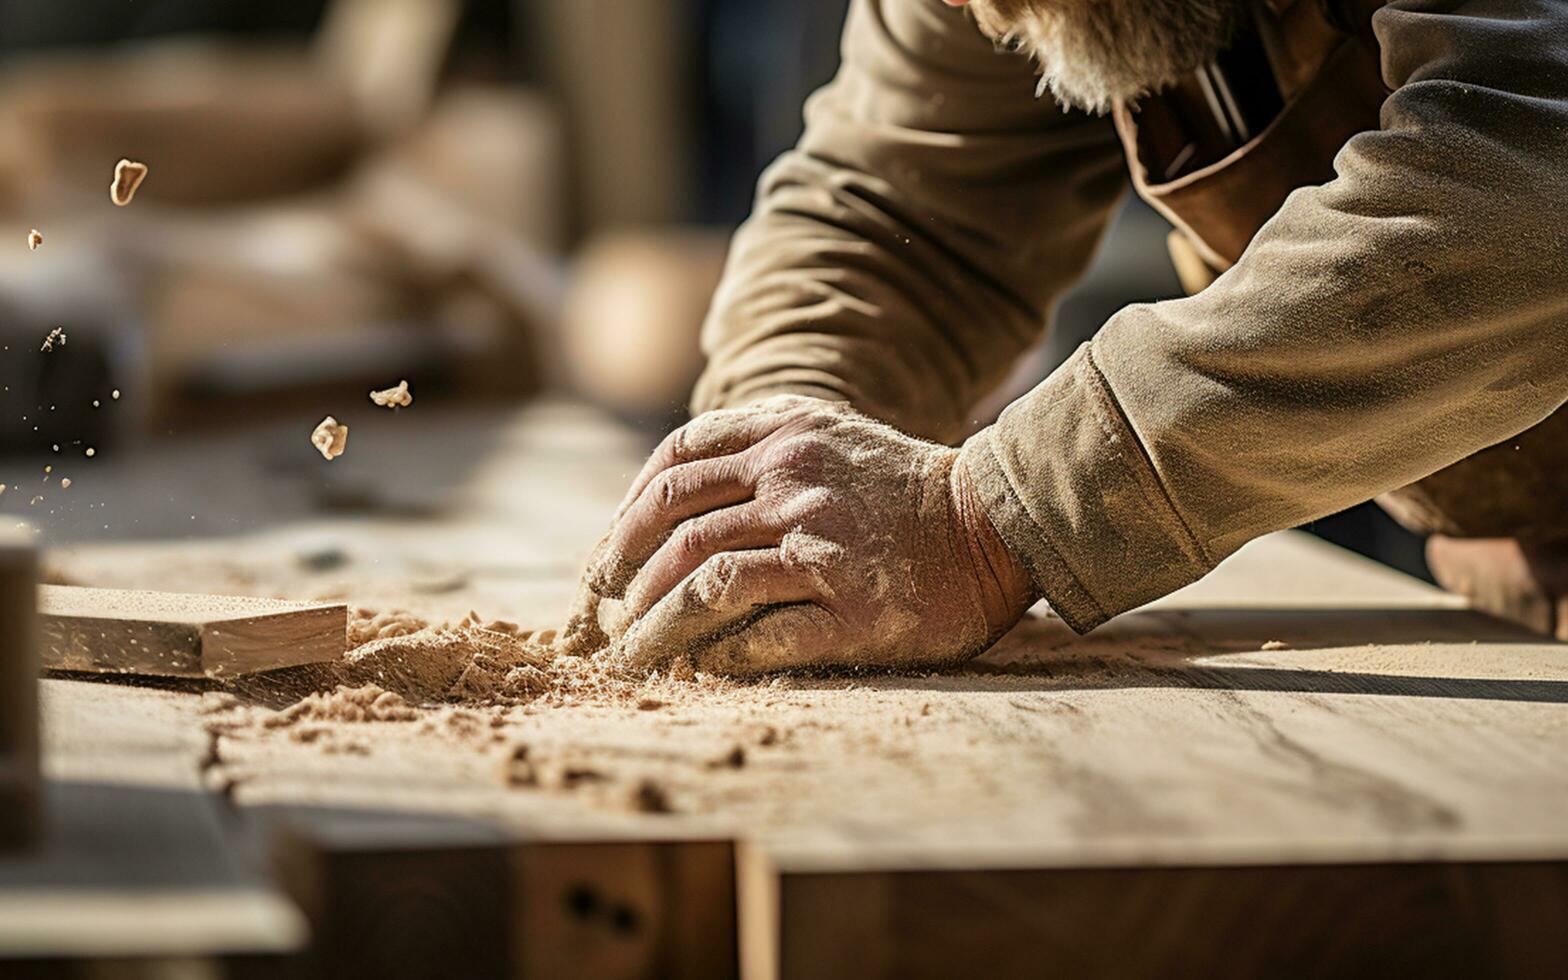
column 1400, row 652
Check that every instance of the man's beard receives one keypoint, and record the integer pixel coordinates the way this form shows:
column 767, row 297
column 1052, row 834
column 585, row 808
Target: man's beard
column 1093, row 54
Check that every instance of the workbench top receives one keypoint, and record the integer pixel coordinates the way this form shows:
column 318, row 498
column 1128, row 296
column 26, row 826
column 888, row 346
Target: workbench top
column 1301, row 705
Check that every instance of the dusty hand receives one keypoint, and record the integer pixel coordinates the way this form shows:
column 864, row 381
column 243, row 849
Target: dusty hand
column 799, row 533
column 1524, row 583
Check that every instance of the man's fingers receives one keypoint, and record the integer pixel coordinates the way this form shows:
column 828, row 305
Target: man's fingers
column 781, row 638
column 670, row 498
column 720, row 596
column 713, row 434
column 744, row 527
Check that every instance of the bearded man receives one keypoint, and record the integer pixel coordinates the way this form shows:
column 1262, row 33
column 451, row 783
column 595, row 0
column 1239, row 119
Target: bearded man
column 1370, row 203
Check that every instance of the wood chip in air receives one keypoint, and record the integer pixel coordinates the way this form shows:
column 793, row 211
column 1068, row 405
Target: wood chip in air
column 330, row 437
column 128, row 175
column 398, row 397
column 35, row 238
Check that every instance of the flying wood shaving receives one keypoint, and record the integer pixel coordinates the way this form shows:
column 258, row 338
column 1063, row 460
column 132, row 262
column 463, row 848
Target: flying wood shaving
column 398, row 397
column 56, row 336
column 128, row 175
column 35, row 238
column 330, row 437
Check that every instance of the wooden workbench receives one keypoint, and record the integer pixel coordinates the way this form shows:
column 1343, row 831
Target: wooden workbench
column 1383, row 788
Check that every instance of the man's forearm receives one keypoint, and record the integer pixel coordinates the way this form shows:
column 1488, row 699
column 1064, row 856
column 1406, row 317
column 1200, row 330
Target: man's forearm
column 910, row 247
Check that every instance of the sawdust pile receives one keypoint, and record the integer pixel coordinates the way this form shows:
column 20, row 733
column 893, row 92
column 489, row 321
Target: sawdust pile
column 365, row 625
column 463, row 683
column 471, row 662
column 368, row 703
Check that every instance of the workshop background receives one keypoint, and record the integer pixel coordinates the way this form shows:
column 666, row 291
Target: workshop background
column 496, row 200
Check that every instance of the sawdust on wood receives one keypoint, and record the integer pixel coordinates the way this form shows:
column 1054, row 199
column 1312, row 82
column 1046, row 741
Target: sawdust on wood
column 462, row 681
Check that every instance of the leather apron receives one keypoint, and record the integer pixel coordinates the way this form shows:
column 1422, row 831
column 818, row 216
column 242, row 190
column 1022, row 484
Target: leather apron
column 1326, row 65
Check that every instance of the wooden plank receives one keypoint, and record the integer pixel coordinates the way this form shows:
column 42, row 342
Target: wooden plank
column 136, row 858
column 180, row 635
column 18, row 688
column 1432, row 919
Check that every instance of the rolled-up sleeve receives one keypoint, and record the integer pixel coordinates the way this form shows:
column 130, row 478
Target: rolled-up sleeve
column 910, row 247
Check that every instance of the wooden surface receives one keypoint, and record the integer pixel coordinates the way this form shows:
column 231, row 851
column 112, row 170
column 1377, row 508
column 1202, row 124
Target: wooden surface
column 1454, row 919
column 136, row 859
column 181, row 635
column 18, row 688
column 1299, row 710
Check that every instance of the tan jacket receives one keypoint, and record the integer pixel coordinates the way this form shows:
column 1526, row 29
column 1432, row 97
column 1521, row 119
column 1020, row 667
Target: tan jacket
column 1379, row 327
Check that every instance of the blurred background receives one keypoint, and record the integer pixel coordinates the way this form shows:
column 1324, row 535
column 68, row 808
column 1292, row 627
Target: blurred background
column 500, row 200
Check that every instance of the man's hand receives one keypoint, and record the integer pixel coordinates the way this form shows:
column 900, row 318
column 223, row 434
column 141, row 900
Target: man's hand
column 1524, row 583
column 799, row 533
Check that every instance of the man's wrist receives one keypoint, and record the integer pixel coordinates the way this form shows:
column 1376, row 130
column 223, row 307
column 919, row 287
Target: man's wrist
column 1006, row 587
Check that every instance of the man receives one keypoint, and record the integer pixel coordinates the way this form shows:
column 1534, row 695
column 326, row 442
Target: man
column 1386, row 200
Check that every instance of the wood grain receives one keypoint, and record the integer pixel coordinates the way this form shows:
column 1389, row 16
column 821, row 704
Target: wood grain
column 180, row 635
column 18, row 688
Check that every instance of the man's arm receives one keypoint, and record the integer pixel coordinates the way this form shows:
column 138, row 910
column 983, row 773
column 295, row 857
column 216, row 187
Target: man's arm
column 1380, row 327
column 910, row 247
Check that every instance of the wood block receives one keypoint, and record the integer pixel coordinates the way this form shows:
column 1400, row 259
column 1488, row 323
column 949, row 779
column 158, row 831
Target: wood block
column 424, row 895
column 18, row 688
column 390, row 894
column 625, row 908
column 1417, row 918
column 175, row 635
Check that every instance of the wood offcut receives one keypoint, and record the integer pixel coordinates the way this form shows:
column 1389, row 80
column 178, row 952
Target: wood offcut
column 175, row 635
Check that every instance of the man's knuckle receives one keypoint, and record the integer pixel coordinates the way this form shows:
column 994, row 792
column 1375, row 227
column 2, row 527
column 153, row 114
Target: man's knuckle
column 803, row 453
column 677, row 446
column 714, row 580
column 667, row 488
column 691, row 541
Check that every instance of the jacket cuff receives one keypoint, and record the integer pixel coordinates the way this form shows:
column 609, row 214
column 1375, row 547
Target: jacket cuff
column 1071, row 492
